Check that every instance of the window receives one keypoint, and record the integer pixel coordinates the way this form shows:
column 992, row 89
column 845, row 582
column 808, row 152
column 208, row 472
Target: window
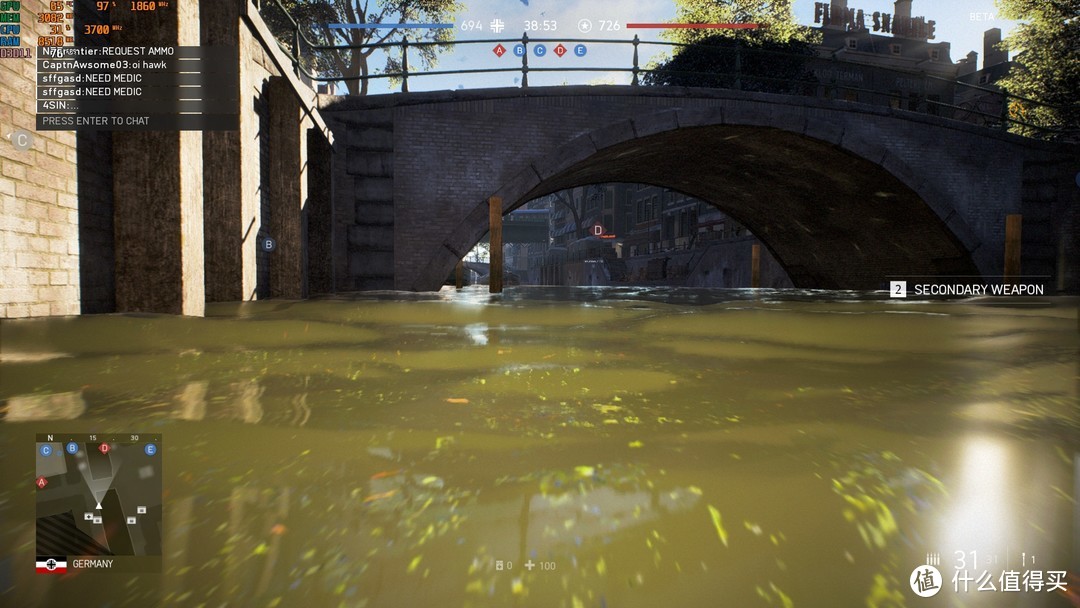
column 894, row 49
column 933, row 108
column 895, row 98
column 852, row 44
column 984, row 78
column 935, row 54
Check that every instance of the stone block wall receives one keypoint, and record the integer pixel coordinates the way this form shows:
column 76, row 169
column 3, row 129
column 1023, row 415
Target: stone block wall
column 97, row 255
column 39, row 222
column 79, row 233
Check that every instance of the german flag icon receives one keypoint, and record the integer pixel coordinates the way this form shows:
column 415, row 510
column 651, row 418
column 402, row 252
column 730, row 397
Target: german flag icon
column 51, row 564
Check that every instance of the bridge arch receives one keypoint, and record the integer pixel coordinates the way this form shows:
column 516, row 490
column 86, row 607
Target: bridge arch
column 865, row 191
column 800, row 184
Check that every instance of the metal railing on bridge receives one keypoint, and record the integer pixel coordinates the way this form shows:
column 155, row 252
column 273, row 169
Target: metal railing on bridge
column 971, row 103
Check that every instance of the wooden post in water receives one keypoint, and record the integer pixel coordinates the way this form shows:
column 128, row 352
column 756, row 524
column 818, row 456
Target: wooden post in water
column 495, row 251
column 459, row 274
column 1012, row 247
column 755, row 265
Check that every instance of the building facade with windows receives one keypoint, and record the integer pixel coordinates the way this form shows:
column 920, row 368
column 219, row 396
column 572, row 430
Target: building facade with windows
column 895, row 59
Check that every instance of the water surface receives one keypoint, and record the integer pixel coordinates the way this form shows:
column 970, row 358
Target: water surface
column 640, row 447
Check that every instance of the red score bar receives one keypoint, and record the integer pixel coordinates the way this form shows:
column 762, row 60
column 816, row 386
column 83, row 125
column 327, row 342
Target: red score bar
column 694, row 26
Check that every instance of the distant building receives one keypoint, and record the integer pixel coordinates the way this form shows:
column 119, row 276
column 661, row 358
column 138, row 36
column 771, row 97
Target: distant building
column 983, row 99
column 894, row 59
column 610, row 234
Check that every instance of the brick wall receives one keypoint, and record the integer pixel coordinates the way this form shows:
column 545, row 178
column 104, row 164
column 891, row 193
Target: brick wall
column 39, row 223
column 59, row 227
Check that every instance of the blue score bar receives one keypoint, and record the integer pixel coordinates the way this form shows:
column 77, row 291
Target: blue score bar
column 387, row 26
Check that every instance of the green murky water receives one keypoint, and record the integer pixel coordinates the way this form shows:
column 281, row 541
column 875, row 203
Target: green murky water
column 639, row 448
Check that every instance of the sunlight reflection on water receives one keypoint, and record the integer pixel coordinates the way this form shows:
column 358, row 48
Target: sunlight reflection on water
column 657, row 446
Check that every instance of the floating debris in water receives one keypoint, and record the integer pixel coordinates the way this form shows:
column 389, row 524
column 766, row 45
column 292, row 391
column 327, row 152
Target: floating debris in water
column 720, row 531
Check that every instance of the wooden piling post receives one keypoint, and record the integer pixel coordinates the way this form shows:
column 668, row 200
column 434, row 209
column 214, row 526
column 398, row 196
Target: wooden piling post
column 495, row 253
column 1012, row 247
column 755, row 265
column 459, row 274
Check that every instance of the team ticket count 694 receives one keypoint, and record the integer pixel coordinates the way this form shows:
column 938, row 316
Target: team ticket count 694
column 99, row 502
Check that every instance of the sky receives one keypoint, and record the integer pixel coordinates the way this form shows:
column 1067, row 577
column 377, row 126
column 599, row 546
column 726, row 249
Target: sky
column 960, row 22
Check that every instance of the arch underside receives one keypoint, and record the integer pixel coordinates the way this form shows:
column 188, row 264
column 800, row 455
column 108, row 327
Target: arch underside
column 832, row 219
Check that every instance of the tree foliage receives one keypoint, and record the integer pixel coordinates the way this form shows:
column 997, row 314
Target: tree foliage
column 730, row 63
column 771, row 58
column 776, row 15
column 315, row 17
column 1047, row 43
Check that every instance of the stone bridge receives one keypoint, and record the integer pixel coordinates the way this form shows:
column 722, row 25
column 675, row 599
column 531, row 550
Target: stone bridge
column 391, row 191
column 845, row 195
